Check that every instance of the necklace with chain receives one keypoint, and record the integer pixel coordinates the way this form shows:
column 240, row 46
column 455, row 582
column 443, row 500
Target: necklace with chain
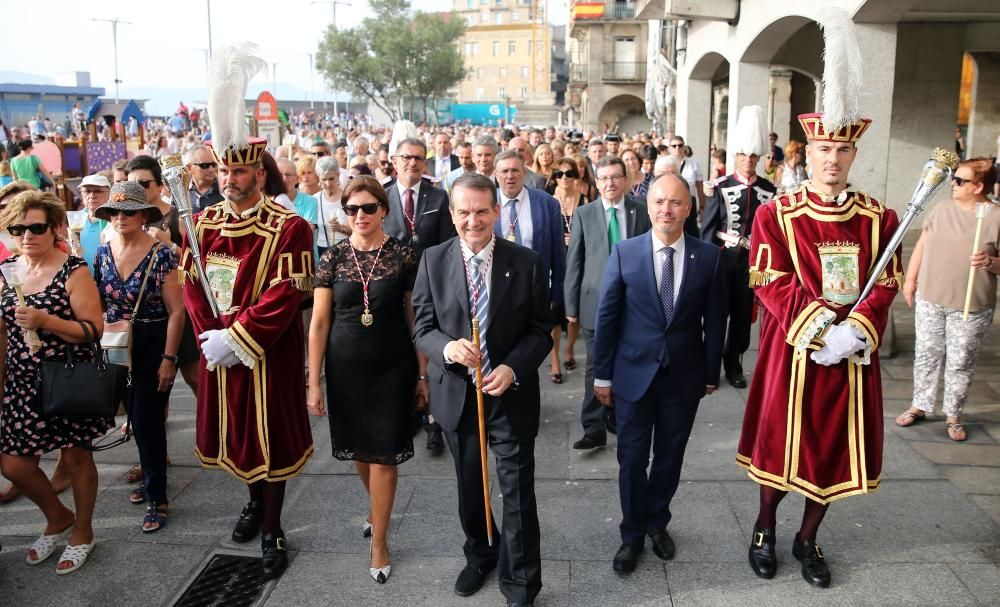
column 367, row 318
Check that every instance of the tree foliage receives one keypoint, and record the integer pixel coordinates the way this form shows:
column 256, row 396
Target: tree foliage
column 394, row 58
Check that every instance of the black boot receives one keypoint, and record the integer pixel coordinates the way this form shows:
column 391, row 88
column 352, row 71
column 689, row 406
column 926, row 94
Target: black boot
column 762, row 558
column 275, row 559
column 814, row 569
column 249, row 524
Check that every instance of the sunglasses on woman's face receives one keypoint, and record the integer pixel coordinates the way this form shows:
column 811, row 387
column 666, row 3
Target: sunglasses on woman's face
column 370, row 209
column 35, row 228
column 145, row 183
column 566, row 174
column 960, row 181
column 125, row 212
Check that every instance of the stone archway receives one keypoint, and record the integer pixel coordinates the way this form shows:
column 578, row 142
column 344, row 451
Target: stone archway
column 624, row 114
column 706, row 105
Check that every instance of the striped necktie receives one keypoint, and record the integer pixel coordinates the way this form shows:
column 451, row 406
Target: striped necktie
column 480, row 306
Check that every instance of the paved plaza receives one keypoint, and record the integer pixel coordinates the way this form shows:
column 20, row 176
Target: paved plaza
column 930, row 536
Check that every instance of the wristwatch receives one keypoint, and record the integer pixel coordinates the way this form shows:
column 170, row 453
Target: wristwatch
column 423, row 378
column 171, row 358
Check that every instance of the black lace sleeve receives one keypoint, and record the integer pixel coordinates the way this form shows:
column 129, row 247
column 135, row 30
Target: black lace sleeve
column 410, row 260
column 326, row 269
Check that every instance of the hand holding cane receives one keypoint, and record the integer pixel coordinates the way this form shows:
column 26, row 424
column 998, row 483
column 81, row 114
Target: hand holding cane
column 982, row 209
column 13, row 279
column 481, row 408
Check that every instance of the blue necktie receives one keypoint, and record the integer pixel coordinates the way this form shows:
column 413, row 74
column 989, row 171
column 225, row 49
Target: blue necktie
column 513, row 225
column 480, row 308
column 667, row 293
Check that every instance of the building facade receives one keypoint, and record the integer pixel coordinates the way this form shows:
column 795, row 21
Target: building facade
column 508, row 52
column 607, row 52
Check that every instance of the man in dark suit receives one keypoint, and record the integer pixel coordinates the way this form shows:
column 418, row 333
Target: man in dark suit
column 531, row 218
column 657, row 351
column 531, row 178
column 443, row 161
column 480, row 276
column 418, row 216
column 595, row 229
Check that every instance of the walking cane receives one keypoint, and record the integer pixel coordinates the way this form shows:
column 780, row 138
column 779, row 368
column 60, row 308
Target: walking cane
column 982, row 209
column 481, row 407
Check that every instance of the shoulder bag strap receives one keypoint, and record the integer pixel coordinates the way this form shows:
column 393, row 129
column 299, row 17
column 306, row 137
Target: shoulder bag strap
column 142, row 288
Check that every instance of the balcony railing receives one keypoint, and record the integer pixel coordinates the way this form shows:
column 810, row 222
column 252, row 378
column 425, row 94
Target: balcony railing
column 626, row 71
column 624, row 10
column 578, row 73
column 589, row 10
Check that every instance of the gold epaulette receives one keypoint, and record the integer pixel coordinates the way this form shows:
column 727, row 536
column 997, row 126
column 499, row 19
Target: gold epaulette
column 792, row 199
column 868, row 202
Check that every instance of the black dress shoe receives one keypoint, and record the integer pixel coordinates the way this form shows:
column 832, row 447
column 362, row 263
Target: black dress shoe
column 589, row 442
column 471, row 579
column 663, row 544
column 249, row 524
column 762, row 558
column 435, row 442
column 610, row 423
column 275, row 559
column 736, row 380
column 814, row 569
column 626, row 558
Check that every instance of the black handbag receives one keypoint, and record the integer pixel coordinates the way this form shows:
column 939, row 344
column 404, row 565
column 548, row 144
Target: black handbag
column 83, row 389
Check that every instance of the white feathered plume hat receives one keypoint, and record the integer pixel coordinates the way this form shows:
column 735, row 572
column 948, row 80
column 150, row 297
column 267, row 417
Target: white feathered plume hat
column 403, row 129
column 750, row 137
column 841, row 118
column 229, row 72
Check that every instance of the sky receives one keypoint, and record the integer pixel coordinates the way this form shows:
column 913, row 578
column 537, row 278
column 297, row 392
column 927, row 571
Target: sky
column 162, row 47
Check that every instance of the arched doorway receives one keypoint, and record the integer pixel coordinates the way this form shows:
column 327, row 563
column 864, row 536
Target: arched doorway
column 707, row 104
column 624, row 114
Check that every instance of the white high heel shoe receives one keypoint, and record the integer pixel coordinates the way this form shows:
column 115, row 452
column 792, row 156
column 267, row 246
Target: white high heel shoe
column 379, row 574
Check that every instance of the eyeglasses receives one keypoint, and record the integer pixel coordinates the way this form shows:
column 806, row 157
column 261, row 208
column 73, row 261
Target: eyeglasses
column 145, row 183
column 384, row 163
column 566, row 174
column 125, row 212
column 960, row 181
column 409, row 157
column 35, row 228
column 320, row 154
column 205, row 165
column 370, row 209
column 676, row 145
column 607, row 178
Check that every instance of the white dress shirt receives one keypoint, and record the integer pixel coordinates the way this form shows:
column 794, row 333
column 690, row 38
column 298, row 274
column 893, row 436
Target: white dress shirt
column 622, row 219
column 328, row 210
column 524, row 225
column 442, row 166
column 402, row 199
column 485, row 255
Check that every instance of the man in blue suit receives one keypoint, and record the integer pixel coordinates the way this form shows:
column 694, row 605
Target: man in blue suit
column 661, row 323
column 533, row 219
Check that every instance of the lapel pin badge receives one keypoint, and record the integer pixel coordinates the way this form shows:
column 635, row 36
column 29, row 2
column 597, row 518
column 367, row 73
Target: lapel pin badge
column 692, row 255
column 507, row 275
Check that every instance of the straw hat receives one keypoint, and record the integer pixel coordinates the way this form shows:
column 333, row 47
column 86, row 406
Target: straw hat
column 128, row 196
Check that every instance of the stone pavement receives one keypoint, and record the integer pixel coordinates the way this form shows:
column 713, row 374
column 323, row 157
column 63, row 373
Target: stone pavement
column 930, row 536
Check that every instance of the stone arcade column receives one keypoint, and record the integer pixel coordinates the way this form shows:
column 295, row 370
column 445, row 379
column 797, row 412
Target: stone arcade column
column 984, row 117
column 749, row 84
column 694, row 115
column 779, row 110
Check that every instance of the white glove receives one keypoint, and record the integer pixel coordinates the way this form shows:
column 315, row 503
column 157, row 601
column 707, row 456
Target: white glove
column 841, row 341
column 217, row 352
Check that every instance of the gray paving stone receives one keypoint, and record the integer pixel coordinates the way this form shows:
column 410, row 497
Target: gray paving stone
column 990, row 505
column 978, row 480
column 935, row 430
column 711, row 452
column 983, row 581
column 595, row 584
column 900, row 461
column 957, row 453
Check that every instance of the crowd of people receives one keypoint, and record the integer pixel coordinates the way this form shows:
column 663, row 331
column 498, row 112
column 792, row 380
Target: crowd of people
column 339, row 255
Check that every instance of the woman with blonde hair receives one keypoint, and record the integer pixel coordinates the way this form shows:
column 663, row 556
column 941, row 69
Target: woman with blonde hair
column 305, row 167
column 544, row 161
column 790, row 174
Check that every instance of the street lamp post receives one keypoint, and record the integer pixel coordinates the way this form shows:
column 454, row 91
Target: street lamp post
column 312, row 91
column 274, row 79
column 114, row 41
column 208, row 8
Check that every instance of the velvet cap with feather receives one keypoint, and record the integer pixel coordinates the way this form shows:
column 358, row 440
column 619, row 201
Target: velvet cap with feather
column 841, row 118
column 229, row 72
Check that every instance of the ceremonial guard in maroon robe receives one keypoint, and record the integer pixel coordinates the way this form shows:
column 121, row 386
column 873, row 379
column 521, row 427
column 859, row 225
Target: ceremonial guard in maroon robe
column 257, row 256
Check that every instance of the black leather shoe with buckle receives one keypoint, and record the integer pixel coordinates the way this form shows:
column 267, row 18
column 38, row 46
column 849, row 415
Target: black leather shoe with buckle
column 275, row 559
column 249, row 524
column 814, row 569
column 762, row 558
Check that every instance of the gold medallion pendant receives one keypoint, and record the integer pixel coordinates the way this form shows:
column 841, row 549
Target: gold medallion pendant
column 511, row 237
column 367, row 319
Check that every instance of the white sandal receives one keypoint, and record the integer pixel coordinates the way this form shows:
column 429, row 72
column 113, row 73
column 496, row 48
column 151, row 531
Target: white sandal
column 45, row 545
column 75, row 554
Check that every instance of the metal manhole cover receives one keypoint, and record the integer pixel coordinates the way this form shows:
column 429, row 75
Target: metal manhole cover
column 226, row 581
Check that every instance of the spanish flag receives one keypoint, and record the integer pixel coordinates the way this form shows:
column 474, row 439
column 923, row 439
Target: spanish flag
column 588, row 10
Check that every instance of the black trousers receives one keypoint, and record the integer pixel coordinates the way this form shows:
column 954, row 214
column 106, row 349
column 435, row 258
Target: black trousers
column 591, row 410
column 149, row 406
column 740, row 312
column 517, row 545
column 658, row 419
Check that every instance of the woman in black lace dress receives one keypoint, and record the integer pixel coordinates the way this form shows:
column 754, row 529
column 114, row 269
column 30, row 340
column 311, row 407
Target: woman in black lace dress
column 362, row 324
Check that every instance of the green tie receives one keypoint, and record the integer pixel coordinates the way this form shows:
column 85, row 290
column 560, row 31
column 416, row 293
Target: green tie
column 614, row 235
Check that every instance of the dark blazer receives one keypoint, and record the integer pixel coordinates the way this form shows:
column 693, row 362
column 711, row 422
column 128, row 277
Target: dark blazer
column 546, row 239
column 431, row 213
column 517, row 334
column 631, row 335
column 455, row 162
column 533, row 179
column 587, row 255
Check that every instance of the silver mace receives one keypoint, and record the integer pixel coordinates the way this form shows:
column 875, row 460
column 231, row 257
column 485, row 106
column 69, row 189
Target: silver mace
column 176, row 177
column 937, row 172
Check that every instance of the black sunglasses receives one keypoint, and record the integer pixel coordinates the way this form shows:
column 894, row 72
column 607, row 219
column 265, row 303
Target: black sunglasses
column 676, row 145
column 960, row 181
column 36, row 228
column 125, row 212
column 568, row 174
column 370, row 209
column 145, row 183
column 319, row 154
column 204, row 165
